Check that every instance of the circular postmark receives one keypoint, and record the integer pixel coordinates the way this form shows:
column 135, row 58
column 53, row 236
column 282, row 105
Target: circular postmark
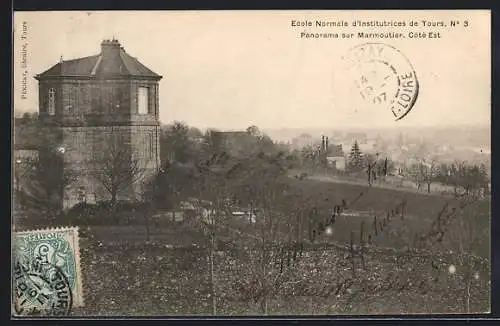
column 40, row 289
column 378, row 76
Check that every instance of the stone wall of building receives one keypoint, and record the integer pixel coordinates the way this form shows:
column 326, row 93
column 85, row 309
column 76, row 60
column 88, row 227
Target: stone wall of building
column 89, row 150
column 94, row 102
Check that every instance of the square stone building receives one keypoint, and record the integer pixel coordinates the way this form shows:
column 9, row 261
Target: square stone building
column 102, row 112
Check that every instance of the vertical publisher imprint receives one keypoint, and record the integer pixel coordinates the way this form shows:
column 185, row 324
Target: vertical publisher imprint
column 24, row 59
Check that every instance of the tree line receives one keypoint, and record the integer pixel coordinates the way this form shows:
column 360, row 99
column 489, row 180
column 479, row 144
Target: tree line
column 464, row 177
column 183, row 152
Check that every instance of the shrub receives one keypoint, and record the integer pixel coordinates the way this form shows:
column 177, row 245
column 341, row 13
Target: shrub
column 80, row 214
column 103, row 213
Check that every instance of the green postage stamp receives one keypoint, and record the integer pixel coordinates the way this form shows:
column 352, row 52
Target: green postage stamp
column 46, row 276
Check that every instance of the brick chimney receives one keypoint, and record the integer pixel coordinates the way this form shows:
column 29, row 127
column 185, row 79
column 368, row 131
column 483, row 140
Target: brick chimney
column 110, row 48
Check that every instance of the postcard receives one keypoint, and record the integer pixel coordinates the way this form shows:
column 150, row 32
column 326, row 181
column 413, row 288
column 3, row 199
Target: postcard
column 251, row 163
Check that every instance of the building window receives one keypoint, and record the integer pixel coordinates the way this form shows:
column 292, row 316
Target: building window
column 143, row 100
column 84, row 95
column 107, row 99
column 52, row 101
column 74, row 102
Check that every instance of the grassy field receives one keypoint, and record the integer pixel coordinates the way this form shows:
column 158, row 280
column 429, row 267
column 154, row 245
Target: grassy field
column 125, row 275
column 421, row 211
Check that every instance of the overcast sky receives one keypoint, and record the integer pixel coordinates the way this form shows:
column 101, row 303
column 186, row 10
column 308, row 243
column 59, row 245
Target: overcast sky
column 232, row 69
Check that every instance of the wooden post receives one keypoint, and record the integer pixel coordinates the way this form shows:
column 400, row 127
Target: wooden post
column 351, row 255
column 352, row 243
column 361, row 232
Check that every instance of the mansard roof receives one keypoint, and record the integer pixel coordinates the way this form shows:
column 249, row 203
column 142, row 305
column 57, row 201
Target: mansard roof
column 113, row 61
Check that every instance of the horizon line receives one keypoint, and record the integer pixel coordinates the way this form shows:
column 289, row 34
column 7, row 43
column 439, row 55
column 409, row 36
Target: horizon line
column 18, row 113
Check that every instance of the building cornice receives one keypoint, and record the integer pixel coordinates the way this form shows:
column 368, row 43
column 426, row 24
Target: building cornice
column 97, row 78
column 102, row 124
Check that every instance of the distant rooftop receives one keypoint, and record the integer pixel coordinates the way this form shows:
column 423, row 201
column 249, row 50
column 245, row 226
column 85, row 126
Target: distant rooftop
column 234, row 133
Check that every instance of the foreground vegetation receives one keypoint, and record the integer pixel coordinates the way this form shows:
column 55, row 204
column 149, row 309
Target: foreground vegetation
column 153, row 280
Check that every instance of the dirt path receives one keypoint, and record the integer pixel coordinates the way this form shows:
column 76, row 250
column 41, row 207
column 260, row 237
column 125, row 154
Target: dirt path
column 374, row 185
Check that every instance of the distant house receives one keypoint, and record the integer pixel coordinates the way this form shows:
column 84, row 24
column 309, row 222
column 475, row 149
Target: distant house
column 368, row 146
column 198, row 139
column 338, row 162
column 236, row 142
column 335, row 156
column 302, row 141
column 330, row 155
column 360, row 137
column 232, row 138
column 400, row 167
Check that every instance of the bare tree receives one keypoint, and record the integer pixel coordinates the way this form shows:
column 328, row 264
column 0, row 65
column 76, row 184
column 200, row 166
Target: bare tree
column 262, row 267
column 370, row 162
column 117, row 168
column 424, row 172
column 212, row 208
column 473, row 178
column 211, row 219
column 454, row 174
column 145, row 202
column 210, row 183
column 47, row 179
column 384, row 167
column 265, row 261
column 415, row 174
column 429, row 170
column 44, row 176
column 468, row 238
